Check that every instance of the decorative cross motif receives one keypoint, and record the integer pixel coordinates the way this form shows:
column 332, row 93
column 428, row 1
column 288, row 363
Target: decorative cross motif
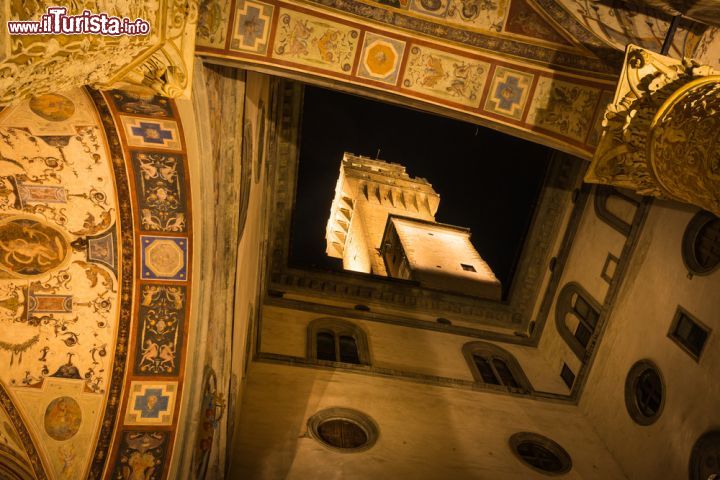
column 251, row 26
column 152, row 403
column 152, row 133
column 508, row 93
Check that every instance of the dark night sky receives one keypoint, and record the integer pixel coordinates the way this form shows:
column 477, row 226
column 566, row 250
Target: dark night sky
column 487, row 181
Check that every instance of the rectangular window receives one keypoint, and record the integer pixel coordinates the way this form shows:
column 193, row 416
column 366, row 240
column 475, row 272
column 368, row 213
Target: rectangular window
column 486, row 371
column 583, row 335
column 468, row 268
column 582, row 307
column 348, row 350
column 688, row 333
column 326, row 346
column 568, row 376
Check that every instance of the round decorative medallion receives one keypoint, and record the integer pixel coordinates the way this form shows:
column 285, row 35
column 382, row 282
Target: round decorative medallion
column 644, row 392
column 62, row 418
column 540, row 453
column 381, row 58
column 52, row 107
column 29, row 248
column 343, row 430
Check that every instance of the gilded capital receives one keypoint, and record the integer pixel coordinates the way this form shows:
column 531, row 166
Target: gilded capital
column 661, row 134
column 156, row 62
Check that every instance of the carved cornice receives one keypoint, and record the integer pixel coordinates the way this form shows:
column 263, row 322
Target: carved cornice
column 662, row 132
column 157, row 63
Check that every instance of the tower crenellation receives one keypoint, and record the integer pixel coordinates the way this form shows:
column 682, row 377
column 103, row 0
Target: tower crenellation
column 381, row 214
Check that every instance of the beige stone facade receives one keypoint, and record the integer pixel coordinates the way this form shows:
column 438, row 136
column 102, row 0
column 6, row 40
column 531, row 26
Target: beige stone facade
column 151, row 325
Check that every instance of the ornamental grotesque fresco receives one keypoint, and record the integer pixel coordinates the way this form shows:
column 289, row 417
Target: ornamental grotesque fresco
column 59, row 275
column 82, row 336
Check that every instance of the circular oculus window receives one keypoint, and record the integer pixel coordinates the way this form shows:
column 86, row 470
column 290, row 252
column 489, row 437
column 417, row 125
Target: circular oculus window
column 701, row 244
column 705, row 457
column 540, row 453
column 343, row 429
column 644, row 392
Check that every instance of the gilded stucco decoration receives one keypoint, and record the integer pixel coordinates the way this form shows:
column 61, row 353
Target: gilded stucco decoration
column 661, row 133
column 159, row 62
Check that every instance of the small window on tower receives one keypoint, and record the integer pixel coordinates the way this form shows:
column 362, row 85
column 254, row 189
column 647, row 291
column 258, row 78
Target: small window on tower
column 468, row 268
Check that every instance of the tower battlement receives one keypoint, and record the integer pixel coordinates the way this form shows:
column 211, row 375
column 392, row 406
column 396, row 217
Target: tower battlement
column 370, row 193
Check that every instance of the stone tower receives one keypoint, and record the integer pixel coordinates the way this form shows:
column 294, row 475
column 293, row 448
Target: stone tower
column 382, row 221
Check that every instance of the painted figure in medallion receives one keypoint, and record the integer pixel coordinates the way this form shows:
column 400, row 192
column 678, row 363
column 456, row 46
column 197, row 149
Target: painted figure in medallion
column 29, row 248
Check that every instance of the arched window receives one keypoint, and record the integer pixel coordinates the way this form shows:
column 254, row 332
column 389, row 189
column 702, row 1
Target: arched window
column 492, row 365
column 334, row 340
column 576, row 317
column 611, row 205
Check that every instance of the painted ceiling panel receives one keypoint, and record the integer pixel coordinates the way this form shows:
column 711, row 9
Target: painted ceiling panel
column 83, row 368
column 619, row 23
column 540, row 69
column 58, row 272
column 526, row 75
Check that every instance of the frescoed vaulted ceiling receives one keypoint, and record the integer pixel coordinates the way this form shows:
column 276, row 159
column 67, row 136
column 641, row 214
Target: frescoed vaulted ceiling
column 92, row 344
column 95, row 216
column 619, row 23
column 539, row 69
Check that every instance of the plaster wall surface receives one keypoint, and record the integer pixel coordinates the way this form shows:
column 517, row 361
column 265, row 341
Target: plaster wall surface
column 401, row 349
column 425, row 432
column 408, row 313
column 253, row 241
column 657, row 283
column 594, row 240
column 228, row 154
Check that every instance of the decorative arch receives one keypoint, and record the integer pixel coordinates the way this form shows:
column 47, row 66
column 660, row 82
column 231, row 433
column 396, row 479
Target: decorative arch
column 23, row 463
column 527, row 94
column 496, row 367
column 101, row 181
column 602, row 194
column 335, row 340
column 574, row 300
